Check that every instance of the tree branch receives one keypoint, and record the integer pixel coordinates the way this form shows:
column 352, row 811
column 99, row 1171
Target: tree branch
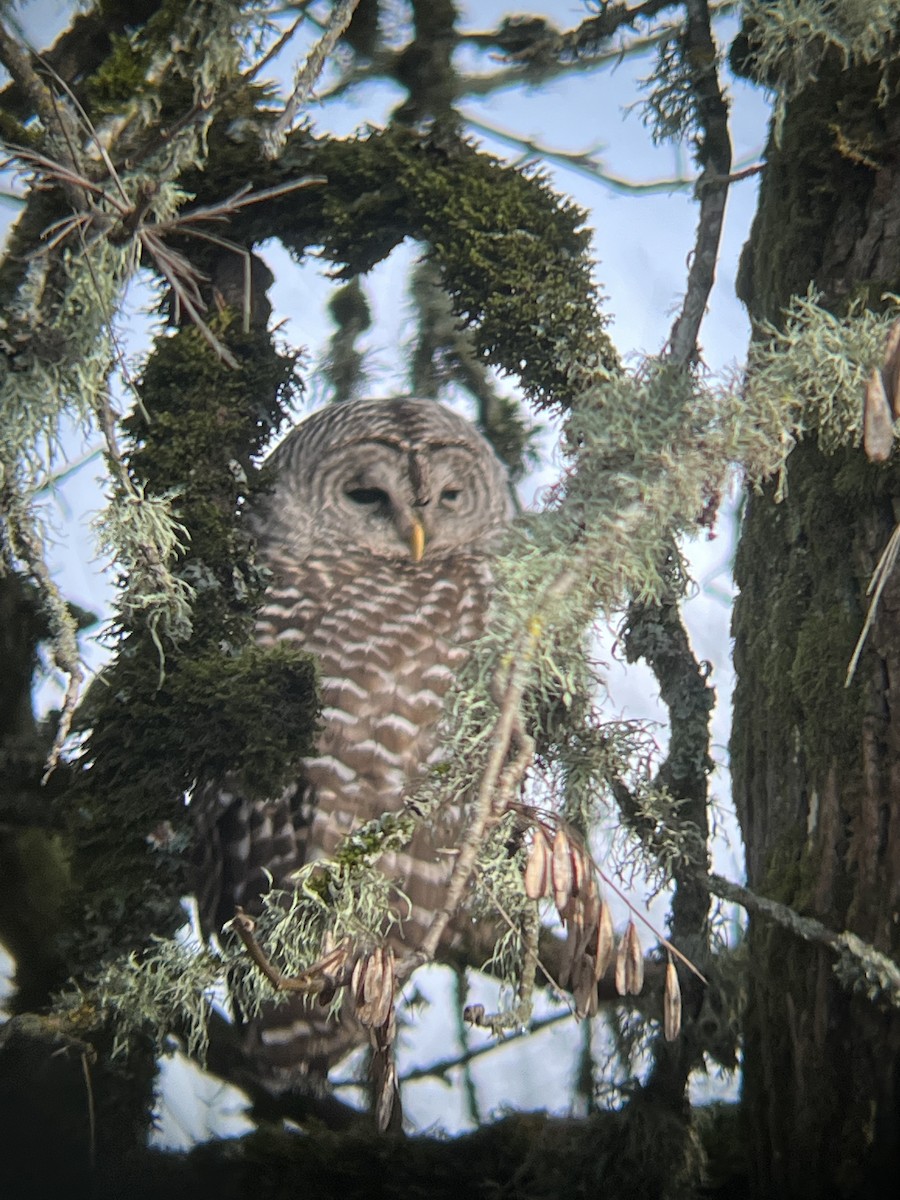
column 714, row 155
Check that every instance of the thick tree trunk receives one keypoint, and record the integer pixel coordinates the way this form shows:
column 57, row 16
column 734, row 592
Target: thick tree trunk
column 817, row 766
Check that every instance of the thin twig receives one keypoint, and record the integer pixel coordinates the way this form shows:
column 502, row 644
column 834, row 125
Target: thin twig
column 532, row 959
column 439, row 1069
column 583, row 161
column 92, row 1115
column 331, row 970
column 251, row 73
column 880, row 576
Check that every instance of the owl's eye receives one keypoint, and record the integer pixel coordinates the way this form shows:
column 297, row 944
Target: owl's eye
column 450, row 496
column 366, row 497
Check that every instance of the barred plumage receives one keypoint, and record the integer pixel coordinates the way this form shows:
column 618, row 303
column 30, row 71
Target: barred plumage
column 379, row 534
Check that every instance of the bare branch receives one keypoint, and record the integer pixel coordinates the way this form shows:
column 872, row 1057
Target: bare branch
column 714, row 154
column 583, row 161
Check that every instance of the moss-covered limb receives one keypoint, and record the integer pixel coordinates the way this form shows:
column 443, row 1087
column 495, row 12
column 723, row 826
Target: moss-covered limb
column 199, row 428
column 687, row 96
column 642, row 1153
column 657, row 634
column 34, row 854
column 45, row 1077
column 861, row 967
column 511, row 254
column 443, row 348
column 61, row 308
column 218, row 706
column 425, row 66
column 344, row 368
column 35, row 885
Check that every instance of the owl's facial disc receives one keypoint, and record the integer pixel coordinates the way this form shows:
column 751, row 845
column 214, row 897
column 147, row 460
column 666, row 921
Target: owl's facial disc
column 406, row 501
column 385, row 514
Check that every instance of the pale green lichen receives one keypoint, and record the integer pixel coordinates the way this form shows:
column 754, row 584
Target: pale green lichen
column 807, row 378
column 790, row 40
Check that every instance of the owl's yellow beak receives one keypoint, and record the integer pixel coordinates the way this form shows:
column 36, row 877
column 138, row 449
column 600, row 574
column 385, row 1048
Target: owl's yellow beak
column 417, row 541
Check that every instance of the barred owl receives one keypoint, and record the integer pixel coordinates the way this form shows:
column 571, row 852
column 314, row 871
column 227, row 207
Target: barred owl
column 378, row 535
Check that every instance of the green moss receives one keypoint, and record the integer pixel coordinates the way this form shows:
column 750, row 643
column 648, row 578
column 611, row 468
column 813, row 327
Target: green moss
column 202, row 425
column 794, row 561
column 121, row 77
column 512, row 254
column 819, row 184
column 221, row 708
column 528, row 1156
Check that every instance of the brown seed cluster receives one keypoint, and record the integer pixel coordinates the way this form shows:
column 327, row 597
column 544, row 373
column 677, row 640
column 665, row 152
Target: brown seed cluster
column 372, row 987
column 562, row 869
column 372, row 991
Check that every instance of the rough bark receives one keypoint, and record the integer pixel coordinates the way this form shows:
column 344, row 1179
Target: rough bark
column 815, row 765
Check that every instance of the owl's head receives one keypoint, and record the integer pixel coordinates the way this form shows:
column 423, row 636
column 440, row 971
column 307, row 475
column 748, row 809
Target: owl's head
column 399, row 478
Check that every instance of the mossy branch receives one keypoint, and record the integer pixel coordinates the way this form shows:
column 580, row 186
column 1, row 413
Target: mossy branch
column 859, row 966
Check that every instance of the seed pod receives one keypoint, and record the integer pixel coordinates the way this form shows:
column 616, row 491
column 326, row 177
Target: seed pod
column 591, row 901
column 878, row 421
column 537, row 867
column 561, row 870
column 382, row 1003
column 357, row 980
column 605, row 943
column 590, row 907
column 371, row 993
column 621, row 956
column 388, row 1031
column 374, row 975
column 387, row 1091
column 579, row 869
column 333, row 965
column 585, row 990
column 378, row 988
column 672, row 1003
column 572, row 916
column 634, row 960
